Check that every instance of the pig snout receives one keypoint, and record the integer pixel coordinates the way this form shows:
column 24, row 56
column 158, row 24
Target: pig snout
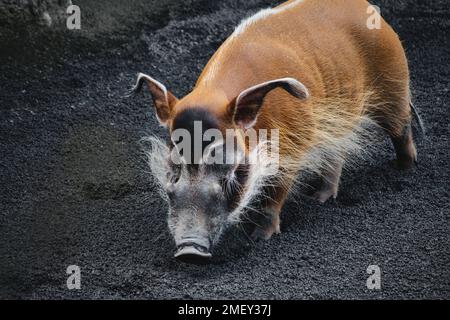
column 194, row 250
column 197, row 217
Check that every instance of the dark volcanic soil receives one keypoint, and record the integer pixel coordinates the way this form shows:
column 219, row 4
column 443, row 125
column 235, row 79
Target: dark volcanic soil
column 75, row 187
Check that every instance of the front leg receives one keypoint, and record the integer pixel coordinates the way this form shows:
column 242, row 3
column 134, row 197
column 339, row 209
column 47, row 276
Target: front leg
column 268, row 222
column 330, row 181
column 267, row 225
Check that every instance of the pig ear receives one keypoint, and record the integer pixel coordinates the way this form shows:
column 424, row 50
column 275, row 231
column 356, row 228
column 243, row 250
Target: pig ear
column 249, row 102
column 163, row 99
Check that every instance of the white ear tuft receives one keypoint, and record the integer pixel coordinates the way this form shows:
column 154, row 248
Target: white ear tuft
column 162, row 98
column 144, row 77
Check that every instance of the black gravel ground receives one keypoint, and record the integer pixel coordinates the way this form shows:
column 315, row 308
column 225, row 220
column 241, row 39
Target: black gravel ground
column 75, row 188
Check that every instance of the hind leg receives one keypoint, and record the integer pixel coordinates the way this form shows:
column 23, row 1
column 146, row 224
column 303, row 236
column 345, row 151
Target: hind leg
column 405, row 148
column 396, row 120
column 330, row 181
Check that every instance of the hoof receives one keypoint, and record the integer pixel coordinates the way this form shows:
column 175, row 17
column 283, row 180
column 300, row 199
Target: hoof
column 324, row 195
column 405, row 164
column 264, row 234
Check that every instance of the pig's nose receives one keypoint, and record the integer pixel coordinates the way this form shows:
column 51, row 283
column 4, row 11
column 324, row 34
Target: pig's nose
column 193, row 252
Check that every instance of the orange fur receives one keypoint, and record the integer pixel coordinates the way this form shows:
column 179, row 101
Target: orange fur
column 353, row 74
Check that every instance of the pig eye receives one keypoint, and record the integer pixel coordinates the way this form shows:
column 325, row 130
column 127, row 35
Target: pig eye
column 173, row 176
column 170, row 190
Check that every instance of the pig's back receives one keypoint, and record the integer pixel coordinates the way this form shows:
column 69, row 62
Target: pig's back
column 325, row 44
column 317, row 42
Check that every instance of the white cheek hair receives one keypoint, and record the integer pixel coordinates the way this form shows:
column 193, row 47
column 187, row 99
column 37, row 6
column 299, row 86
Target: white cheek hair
column 157, row 161
column 217, row 188
column 264, row 168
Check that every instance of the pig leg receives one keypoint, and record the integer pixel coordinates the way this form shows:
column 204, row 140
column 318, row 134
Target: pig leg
column 396, row 119
column 405, row 148
column 268, row 225
column 330, row 181
column 394, row 112
column 269, row 221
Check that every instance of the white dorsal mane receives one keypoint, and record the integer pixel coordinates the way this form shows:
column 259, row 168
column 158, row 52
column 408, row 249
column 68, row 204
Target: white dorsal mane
column 214, row 68
column 261, row 15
